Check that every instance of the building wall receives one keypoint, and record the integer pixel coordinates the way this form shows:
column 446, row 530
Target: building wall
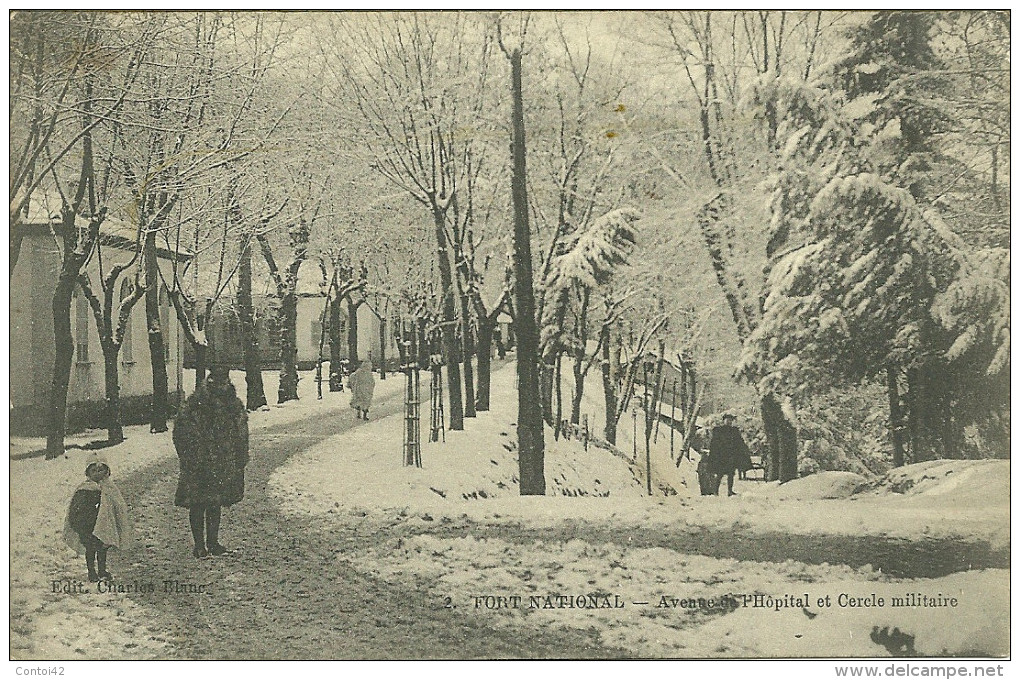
column 225, row 336
column 32, row 351
column 23, row 366
column 309, row 328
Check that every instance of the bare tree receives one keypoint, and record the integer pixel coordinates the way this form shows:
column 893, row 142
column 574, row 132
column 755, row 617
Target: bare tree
column 530, row 427
column 413, row 81
column 99, row 99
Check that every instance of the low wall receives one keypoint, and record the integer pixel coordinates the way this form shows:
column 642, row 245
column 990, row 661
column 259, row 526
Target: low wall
column 30, row 421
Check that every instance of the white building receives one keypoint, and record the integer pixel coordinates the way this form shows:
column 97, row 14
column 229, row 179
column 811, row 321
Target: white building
column 33, row 280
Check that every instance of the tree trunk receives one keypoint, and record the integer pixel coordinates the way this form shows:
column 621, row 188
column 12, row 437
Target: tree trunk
column 382, row 349
column 255, row 392
column 530, row 432
column 288, row 349
column 449, row 319
column 690, row 425
column 201, row 350
column 947, row 416
column 782, row 441
column 657, row 393
column 895, row 416
column 484, row 353
column 114, row 429
column 352, row 336
column 336, row 378
column 608, row 386
column 77, row 250
column 467, row 350
column 559, row 395
column 62, row 359
column 913, row 415
column 157, row 346
column 422, row 343
column 546, row 371
column 575, row 403
column 201, row 362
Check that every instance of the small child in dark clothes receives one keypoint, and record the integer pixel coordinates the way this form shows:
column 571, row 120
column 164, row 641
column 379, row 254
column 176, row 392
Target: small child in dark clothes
column 96, row 519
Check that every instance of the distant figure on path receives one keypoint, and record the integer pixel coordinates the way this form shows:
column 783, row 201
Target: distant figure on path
column 97, row 519
column 211, row 437
column 497, row 336
column 362, row 384
column 727, row 453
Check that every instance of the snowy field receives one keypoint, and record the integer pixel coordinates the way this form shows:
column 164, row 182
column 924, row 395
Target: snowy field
column 471, row 481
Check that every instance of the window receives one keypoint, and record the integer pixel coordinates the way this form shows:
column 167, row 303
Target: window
column 316, row 332
column 81, row 328
column 126, row 350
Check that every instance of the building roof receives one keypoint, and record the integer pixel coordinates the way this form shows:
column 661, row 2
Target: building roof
column 115, row 231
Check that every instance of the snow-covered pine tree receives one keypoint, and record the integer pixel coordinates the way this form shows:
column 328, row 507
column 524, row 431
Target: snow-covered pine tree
column 866, row 277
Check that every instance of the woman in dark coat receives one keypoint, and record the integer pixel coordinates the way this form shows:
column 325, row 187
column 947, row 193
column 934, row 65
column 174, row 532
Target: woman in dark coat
column 727, row 453
column 211, row 437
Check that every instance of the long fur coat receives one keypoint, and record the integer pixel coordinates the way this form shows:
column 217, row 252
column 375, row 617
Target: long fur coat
column 211, row 437
column 727, row 451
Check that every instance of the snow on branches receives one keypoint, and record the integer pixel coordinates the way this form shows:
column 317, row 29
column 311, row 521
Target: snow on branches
column 590, row 258
column 862, row 274
column 593, row 254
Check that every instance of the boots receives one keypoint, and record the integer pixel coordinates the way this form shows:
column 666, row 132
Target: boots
column 196, row 517
column 212, row 531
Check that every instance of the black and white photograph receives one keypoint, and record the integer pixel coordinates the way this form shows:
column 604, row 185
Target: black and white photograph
column 510, row 335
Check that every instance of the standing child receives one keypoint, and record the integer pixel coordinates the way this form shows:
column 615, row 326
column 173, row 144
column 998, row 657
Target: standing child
column 97, row 519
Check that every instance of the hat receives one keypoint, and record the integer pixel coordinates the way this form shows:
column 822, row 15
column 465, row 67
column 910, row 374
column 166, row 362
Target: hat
column 95, row 462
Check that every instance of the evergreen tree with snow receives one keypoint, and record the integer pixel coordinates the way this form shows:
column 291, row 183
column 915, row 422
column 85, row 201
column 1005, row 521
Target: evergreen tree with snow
column 866, row 277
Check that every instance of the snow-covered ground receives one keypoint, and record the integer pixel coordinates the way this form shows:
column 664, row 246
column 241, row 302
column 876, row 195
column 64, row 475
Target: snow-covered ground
column 699, row 606
column 471, row 480
column 363, row 470
column 40, row 491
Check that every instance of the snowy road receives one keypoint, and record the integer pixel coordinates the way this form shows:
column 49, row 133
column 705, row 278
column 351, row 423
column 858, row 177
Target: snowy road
column 894, row 557
column 287, row 591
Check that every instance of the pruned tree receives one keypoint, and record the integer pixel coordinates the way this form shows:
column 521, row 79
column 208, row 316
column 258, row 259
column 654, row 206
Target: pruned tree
column 413, row 81
column 264, row 213
column 308, row 193
column 83, row 207
column 340, row 280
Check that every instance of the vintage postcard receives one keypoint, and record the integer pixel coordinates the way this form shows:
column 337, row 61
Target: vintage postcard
column 510, row 335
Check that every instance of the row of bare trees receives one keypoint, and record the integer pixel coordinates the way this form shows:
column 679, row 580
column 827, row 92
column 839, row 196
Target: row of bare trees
column 344, row 147
column 135, row 130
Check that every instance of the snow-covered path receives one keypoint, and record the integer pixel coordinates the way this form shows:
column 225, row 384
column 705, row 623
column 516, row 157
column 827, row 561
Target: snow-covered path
column 289, row 591
column 341, row 552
